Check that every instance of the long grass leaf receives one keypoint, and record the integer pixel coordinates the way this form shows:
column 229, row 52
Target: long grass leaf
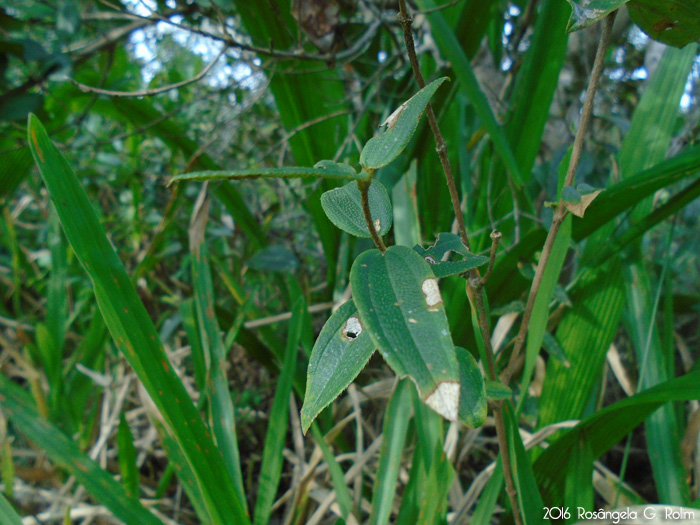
column 606, row 428
column 585, row 334
column 8, row 515
column 65, row 453
column 449, row 47
column 131, row 327
column 396, row 420
column 271, row 467
column 529, row 499
column 647, row 142
column 222, row 413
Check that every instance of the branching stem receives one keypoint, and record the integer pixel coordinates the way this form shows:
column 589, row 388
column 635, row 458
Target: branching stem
column 474, row 282
column 560, row 212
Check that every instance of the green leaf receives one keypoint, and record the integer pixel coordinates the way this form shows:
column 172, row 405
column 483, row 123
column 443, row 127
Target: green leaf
column 274, row 258
column 569, row 194
column 472, row 400
column 340, row 353
column 221, row 409
column 271, row 467
column 334, row 172
column 529, row 498
column 447, row 242
column 401, row 125
column 400, row 304
column 449, row 47
column 343, row 206
column 132, row 328
column 606, row 428
column 497, row 390
column 587, row 12
column 127, row 458
column 63, row 451
column 398, row 416
column 8, row 515
column 674, row 22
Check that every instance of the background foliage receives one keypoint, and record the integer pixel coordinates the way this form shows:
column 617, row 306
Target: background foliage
column 235, row 288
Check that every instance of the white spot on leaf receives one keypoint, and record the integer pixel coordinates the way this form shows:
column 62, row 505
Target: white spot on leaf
column 352, row 328
column 430, row 259
column 377, row 224
column 412, row 320
column 445, row 400
column 390, row 121
column 432, row 293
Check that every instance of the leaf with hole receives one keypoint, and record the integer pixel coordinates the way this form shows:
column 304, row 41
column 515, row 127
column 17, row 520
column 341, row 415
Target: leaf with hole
column 340, row 353
column 401, row 126
column 400, row 305
column 343, row 206
column 472, row 399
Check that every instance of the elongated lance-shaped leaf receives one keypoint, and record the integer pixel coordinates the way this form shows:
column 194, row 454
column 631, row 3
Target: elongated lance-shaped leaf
column 528, row 493
column 132, row 328
column 340, row 353
column 8, row 514
column 271, row 468
column 398, row 416
column 472, row 398
column 343, row 206
column 221, row 410
column 449, row 47
column 328, row 171
column 606, row 428
column 401, row 125
column 63, row 451
column 400, row 304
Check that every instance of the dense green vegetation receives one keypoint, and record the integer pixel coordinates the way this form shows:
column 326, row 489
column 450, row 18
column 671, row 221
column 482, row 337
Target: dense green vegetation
column 223, row 229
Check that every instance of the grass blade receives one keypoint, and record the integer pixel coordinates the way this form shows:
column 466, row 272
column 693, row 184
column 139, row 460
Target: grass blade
column 449, row 47
column 65, row 453
column 222, row 413
column 606, row 428
column 396, row 420
column 8, row 515
column 585, row 334
column 127, row 458
column 271, row 467
column 131, row 327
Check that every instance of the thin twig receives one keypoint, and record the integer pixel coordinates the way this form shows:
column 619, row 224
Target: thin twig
column 495, row 239
column 405, row 20
column 373, row 231
column 560, row 212
column 148, row 92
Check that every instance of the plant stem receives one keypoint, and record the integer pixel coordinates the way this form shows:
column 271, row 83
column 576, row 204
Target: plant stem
column 405, row 20
column 560, row 212
column 495, row 239
column 474, row 283
column 364, row 198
